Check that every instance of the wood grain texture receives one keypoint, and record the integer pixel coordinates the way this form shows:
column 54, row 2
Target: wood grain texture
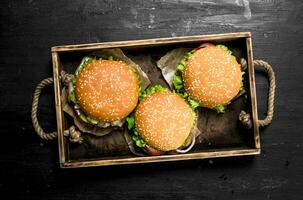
column 29, row 166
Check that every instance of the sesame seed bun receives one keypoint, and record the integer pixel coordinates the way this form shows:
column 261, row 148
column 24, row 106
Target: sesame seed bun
column 107, row 90
column 164, row 120
column 212, row 76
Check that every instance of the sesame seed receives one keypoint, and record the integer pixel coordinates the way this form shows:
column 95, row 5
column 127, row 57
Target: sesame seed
column 107, row 90
column 164, row 120
column 212, row 76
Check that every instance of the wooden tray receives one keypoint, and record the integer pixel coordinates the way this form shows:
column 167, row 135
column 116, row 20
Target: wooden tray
column 223, row 135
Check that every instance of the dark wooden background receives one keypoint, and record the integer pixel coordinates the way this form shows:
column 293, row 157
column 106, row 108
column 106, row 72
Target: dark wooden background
column 29, row 166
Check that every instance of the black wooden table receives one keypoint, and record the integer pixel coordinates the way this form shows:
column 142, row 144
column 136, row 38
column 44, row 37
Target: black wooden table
column 29, row 166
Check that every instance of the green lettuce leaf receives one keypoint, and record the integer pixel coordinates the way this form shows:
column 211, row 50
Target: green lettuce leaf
column 220, row 108
column 187, row 142
column 151, row 90
column 83, row 118
column 130, row 121
column 179, row 84
column 140, row 143
column 193, row 103
column 225, row 48
column 91, row 120
column 72, row 97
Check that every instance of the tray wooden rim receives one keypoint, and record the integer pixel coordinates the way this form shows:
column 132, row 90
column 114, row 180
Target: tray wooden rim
column 165, row 40
column 166, row 158
column 64, row 163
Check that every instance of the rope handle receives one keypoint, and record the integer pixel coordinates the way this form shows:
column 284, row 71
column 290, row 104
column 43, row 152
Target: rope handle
column 244, row 117
column 74, row 136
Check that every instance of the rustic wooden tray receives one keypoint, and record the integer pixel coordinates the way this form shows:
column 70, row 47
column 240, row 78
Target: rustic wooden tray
column 222, row 135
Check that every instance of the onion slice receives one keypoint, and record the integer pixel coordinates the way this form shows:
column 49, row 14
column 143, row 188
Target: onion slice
column 189, row 147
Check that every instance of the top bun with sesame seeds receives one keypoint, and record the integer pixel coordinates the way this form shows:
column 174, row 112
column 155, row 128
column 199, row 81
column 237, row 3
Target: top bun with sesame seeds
column 212, row 76
column 164, row 121
column 106, row 90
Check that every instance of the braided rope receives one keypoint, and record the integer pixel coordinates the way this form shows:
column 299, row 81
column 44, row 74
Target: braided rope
column 245, row 117
column 38, row 129
column 75, row 136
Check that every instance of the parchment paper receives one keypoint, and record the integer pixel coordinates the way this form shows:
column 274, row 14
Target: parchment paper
column 169, row 62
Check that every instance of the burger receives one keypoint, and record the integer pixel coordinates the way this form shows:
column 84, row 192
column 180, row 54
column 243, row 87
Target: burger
column 104, row 91
column 162, row 122
column 209, row 76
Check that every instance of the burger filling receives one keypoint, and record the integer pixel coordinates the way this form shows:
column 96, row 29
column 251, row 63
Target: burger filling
column 73, row 97
column 179, row 85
